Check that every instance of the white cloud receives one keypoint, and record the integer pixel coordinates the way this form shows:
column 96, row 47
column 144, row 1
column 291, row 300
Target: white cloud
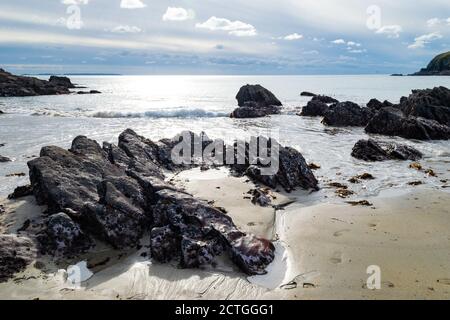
column 436, row 22
column 74, row 2
column 338, row 41
column 433, row 22
column 132, row 4
column 294, row 36
column 126, row 29
column 350, row 50
column 236, row 28
column 392, row 31
column 178, row 14
column 421, row 41
column 353, row 44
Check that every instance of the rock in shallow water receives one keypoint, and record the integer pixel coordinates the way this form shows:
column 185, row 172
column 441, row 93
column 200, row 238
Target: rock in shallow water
column 371, row 150
column 314, row 109
column 4, row 159
column 392, row 122
column 347, row 114
column 256, row 101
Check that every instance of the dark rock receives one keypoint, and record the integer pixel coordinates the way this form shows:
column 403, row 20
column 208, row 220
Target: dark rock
column 324, row 99
column 260, row 197
column 347, row 114
column 371, row 150
column 256, row 101
column 20, row 192
column 61, row 82
column 1, row 112
column 16, row 253
column 433, row 104
column 89, row 92
column 293, row 171
column 392, row 122
column 307, row 94
column 258, row 94
column 377, row 105
column 20, row 86
column 63, row 237
column 118, row 193
column 204, row 232
column 4, row 159
column 315, row 108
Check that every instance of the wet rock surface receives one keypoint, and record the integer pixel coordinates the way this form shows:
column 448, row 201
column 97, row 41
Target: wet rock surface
column 4, row 159
column 314, row 109
column 393, row 122
column 256, row 101
column 347, row 114
column 324, row 99
column 375, row 104
column 118, row 194
column 21, row 86
column 16, row 253
column 371, row 150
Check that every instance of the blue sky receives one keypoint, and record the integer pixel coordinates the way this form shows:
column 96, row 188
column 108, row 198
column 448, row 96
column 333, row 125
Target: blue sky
column 222, row 37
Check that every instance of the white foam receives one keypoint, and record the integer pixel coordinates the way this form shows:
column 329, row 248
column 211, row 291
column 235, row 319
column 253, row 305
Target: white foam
column 177, row 113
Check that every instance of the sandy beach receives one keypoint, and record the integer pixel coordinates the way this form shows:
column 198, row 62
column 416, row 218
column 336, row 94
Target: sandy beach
column 323, row 250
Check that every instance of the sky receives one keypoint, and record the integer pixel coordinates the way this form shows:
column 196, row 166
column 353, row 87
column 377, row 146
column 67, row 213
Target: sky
column 222, row 36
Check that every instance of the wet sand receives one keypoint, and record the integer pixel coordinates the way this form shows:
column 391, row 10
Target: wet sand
column 328, row 248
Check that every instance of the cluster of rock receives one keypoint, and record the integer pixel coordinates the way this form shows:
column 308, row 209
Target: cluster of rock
column 424, row 115
column 22, row 86
column 118, row 194
column 255, row 101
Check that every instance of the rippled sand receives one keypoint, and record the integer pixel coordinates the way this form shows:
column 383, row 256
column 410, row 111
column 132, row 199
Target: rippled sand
column 328, row 248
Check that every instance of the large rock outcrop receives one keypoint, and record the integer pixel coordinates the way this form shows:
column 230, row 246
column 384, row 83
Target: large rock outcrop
column 118, row 194
column 371, row 150
column 255, row 101
column 347, row 114
column 20, row 86
column 393, row 122
column 16, row 253
column 439, row 66
column 433, row 104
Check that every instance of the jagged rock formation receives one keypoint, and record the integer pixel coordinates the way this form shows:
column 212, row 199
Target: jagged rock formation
column 371, row 150
column 20, row 86
column 393, row 122
column 314, row 108
column 256, row 101
column 118, row 194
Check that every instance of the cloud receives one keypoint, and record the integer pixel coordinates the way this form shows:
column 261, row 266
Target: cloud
column 178, row 14
column 433, row 22
column 126, row 29
column 350, row 50
column 421, row 41
column 294, row 36
column 74, row 2
column 236, row 28
column 353, row 44
column 392, row 31
column 132, row 4
column 338, row 41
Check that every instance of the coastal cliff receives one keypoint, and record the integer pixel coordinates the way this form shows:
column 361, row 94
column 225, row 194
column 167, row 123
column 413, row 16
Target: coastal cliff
column 439, row 66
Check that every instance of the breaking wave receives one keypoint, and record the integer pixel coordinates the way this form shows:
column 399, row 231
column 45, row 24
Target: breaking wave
column 179, row 113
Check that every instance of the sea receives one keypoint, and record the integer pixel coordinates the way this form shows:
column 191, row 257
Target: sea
column 162, row 106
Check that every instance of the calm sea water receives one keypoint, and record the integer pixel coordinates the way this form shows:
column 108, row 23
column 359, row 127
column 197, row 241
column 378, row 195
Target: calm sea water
column 161, row 106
